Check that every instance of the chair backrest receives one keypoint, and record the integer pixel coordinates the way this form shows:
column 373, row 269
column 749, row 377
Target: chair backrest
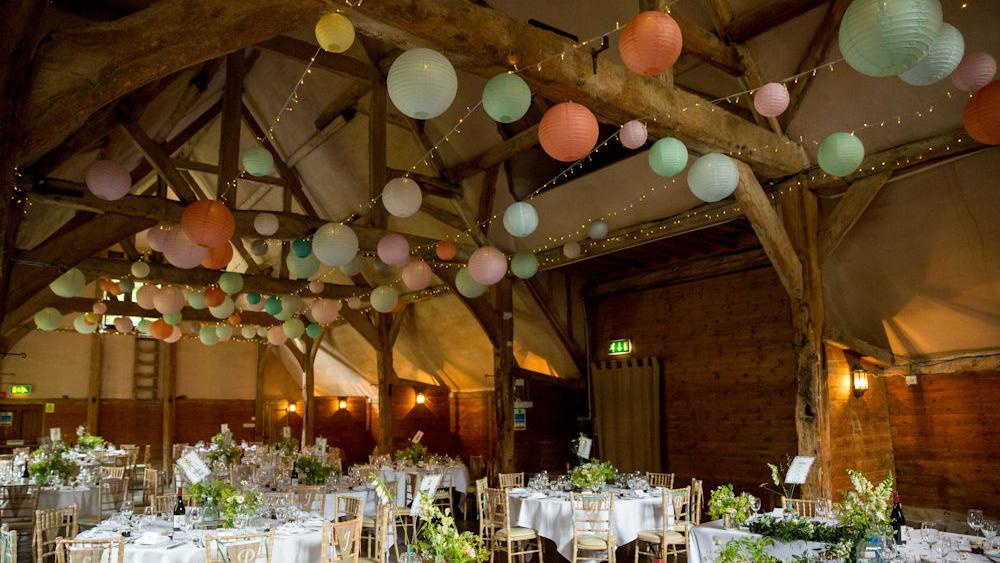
column 18, row 504
column 90, row 551
column 592, row 514
column 803, row 507
column 116, row 472
column 275, row 500
column 341, row 541
column 477, row 466
column 164, row 504
column 697, row 500
column 664, row 480
column 52, row 525
column 150, row 485
column 508, row 480
column 497, row 512
column 680, row 501
column 481, row 507
column 383, row 519
column 111, row 493
column 310, row 498
column 242, row 548
column 348, row 507
column 8, row 545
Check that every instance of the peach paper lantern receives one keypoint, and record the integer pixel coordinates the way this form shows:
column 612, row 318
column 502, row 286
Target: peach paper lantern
column 982, row 114
column 234, row 319
column 146, row 296
column 100, row 307
column 446, row 250
column 394, row 249
column 487, row 265
column 568, row 132
column 124, row 324
column 975, row 71
column 325, row 310
column 175, row 335
column 276, row 335
column 169, row 300
column 214, row 296
column 110, row 287
column 218, row 257
column 160, row 329
column 417, row 275
column 771, row 99
column 316, row 287
column 208, row 223
column 650, row 43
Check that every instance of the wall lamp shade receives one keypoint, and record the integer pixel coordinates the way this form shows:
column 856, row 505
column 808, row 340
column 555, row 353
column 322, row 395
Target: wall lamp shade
column 859, row 381
column 292, row 407
column 342, row 403
column 421, row 398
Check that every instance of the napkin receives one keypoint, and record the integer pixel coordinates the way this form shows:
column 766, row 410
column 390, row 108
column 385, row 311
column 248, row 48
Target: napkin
column 640, row 494
column 152, row 538
column 536, row 496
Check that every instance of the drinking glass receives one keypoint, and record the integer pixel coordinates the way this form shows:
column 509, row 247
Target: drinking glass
column 975, row 519
column 929, row 532
column 754, row 504
column 194, row 516
column 989, row 531
column 127, row 510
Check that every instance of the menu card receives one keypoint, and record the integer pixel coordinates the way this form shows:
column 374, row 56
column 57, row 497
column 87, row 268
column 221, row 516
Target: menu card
column 429, row 485
column 193, row 467
column 321, row 445
column 417, row 437
column 583, row 448
column 286, row 432
column 798, row 470
column 55, row 434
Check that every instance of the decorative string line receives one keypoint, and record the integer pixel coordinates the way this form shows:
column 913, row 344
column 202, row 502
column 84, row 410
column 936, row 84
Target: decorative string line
column 293, row 97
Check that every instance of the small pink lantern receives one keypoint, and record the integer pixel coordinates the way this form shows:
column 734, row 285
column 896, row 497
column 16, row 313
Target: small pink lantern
column 975, row 71
column 175, row 335
column 181, row 252
column 123, row 324
column 156, row 236
column 394, row 249
column 771, row 99
column 568, row 132
column 100, row 307
column 169, row 300
column 354, row 302
column 108, row 180
column 276, row 335
column 417, row 275
column 325, row 310
column 316, row 287
column 633, row 134
column 146, row 296
column 487, row 265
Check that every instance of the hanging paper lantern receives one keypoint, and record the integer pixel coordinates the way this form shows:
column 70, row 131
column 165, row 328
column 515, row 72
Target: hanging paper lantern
column 445, row 250
column 124, row 324
column 840, row 154
column 982, row 114
column 156, row 236
column 713, row 177
column 467, row 286
column 291, row 304
column 572, row 249
column 293, row 328
column 354, row 302
column 214, row 296
column 169, row 300
column 422, row 83
column 402, row 197
column 316, row 287
column 181, row 251
column 880, row 38
column 224, row 332
column 108, row 180
column 173, row 319
column 231, row 283
column 506, row 97
column 335, row 244
column 650, row 43
column 597, row 230
column 69, row 283
column 301, row 247
column 160, row 329
column 771, row 99
column 325, row 311
column 568, row 132
column 234, row 319
column 524, row 265
column 126, row 286
column 48, row 319
column 334, row 32
column 218, row 257
column 91, row 318
column 175, row 335
column 248, row 331
column 262, row 332
column 314, row 330
column 82, row 326
column 975, row 71
column 100, row 307
column 301, row 268
column 276, row 336
column 417, row 275
column 258, row 247
column 208, row 223
column 379, row 265
column 633, row 134
column 383, row 298
column 223, row 310
column 208, row 336
column 520, row 219
column 195, row 299
column 140, row 269
column 352, row 268
column 941, row 60
column 394, row 249
column 143, row 326
column 668, row 157
column 253, row 298
column 487, row 265
column 272, row 305
column 266, row 224
column 146, row 296
column 258, row 161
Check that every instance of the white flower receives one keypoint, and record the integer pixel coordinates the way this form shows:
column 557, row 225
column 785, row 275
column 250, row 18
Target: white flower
column 240, row 499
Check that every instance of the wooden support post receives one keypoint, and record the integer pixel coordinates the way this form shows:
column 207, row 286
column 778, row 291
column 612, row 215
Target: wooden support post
column 309, row 391
column 258, row 397
column 94, row 386
column 503, row 378
column 229, row 137
column 386, row 373
column 169, row 382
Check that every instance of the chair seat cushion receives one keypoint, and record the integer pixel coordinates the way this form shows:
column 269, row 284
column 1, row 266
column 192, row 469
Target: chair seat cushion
column 656, row 536
column 516, row 534
column 591, row 542
column 368, row 522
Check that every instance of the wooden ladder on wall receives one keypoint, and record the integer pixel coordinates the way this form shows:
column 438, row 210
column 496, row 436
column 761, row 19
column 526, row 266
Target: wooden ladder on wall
column 146, row 368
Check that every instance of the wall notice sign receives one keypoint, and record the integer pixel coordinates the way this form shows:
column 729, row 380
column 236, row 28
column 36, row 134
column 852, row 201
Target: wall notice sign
column 50, row 408
column 286, row 432
column 6, row 418
column 193, row 467
column 20, row 390
column 520, row 419
column 417, row 437
column 620, row 347
column 583, row 448
column 798, row 470
column 55, row 434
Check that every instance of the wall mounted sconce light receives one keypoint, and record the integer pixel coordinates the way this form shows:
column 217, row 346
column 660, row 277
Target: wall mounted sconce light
column 421, row 398
column 859, row 381
column 342, row 403
column 292, row 407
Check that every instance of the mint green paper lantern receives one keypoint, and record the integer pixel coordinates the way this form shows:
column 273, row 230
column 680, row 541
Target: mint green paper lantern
column 253, row 298
column 48, row 319
column 224, row 332
column 713, row 177
column 302, row 268
column 384, row 298
column 524, row 265
column 224, row 310
column 231, row 283
column 840, row 154
column 506, row 97
column 293, row 328
column 520, row 219
column 314, row 330
column 941, row 60
column 69, row 283
column 172, row 318
column 422, row 83
column 668, row 157
column 82, row 326
column 208, row 336
column 144, row 325
column 283, row 315
column 195, row 299
column 467, row 286
column 258, row 161
column 884, row 38
column 302, row 247
column 272, row 305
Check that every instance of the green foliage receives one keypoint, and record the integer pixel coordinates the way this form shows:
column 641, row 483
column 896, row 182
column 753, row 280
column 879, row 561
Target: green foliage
column 414, row 453
column 592, row 474
column 86, row 441
column 723, row 499
column 235, row 502
column 438, row 538
column 777, row 477
column 287, row 446
column 747, row 550
column 795, row 529
column 210, row 491
column 223, row 451
column 47, row 464
column 312, row 471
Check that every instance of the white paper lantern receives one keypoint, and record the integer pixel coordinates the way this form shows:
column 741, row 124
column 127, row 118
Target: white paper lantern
column 169, row 300
column 146, row 296
column 140, row 269
column 487, row 265
column 520, row 219
column 108, row 180
column 82, row 326
column 572, row 250
column 181, row 251
column 598, row 229
column 402, row 197
column 124, row 324
column 352, row 268
column 248, row 331
column 266, row 224
column 335, row 244
column 69, row 283
column 384, row 298
column 713, row 177
column 422, row 83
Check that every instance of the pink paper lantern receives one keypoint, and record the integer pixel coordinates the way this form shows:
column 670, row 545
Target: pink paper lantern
column 123, row 324
column 354, row 302
column 975, row 71
column 108, row 180
column 316, row 287
column 155, row 236
column 146, row 296
column 633, row 134
column 181, row 252
column 325, row 310
column 175, row 335
column 169, row 300
column 651, row 43
column 394, row 249
column 568, row 132
column 100, row 307
column 417, row 275
column 276, row 335
column 487, row 265
column 771, row 99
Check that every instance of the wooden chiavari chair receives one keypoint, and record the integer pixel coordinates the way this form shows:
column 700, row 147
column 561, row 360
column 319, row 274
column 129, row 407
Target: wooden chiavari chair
column 347, row 507
column 310, row 498
column 111, row 494
column 18, row 504
column 504, row 537
column 445, row 493
column 8, row 545
column 90, row 551
column 243, row 548
column 341, row 541
column 697, row 501
column 803, row 507
column 671, row 539
column 150, row 485
column 51, row 526
column 485, row 531
column 511, row 480
column 377, row 541
column 112, row 472
column 663, row 480
column 592, row 536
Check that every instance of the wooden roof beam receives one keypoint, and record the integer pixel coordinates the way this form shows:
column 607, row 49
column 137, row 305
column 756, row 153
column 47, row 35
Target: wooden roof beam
column 158, row 157
column 497, row 154
column 848, row 210
column 768, row 16
column 562, row 330
column 333, row 62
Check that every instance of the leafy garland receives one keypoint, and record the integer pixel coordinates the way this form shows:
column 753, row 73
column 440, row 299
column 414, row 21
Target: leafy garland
column 798, row 529
column 747, row 550
column 592, row 474
column 414, row 453
column 723, row 500
column 438, row 538
column 86, row 441
column 47, row 464
column 312, row 471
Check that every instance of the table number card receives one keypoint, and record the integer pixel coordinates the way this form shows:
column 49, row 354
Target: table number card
column 428, row 485
column 798, row 470
column 55, row 434
column 286, row 432
column 321, row 445
column 583, row 448
column 193, row 467
column 417, row 437
column 225, row 428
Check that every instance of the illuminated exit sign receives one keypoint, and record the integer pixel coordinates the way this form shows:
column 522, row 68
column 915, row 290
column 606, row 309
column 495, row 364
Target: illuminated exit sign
column 20, row 390
column 620, row 347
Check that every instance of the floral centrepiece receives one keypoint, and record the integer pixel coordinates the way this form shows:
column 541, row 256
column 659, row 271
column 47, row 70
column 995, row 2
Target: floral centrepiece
column 438, row 539
column 725, row 502
column 287, row 446
column 47, row 465
column 414, row 453
column 223, row 452
column 312, row 471
column 86, row 441
column 592, row 475
column 227, row 499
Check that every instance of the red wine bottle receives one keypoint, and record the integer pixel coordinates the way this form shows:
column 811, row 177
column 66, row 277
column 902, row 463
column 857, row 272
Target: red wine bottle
column 179, row 510
column 897, row 520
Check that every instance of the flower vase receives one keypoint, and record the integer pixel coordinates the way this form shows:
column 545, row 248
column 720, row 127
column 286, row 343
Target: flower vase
column 210, row 513
column 790, row 508
column 729, row 521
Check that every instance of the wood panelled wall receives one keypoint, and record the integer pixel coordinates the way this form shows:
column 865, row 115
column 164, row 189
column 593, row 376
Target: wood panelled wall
column 551, row 424
column 946, row 433
column 725, row 344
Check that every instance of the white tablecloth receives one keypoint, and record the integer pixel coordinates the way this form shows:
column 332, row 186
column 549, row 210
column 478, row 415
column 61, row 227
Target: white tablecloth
column 552, row 518
column 85, row 499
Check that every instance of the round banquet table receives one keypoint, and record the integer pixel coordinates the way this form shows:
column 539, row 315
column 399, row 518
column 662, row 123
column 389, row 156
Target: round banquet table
column 85, row 499
column 552, row 517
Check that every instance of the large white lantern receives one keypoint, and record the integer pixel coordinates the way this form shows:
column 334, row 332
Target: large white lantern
column 422, row 83
column 402, row 197
column 335, row 244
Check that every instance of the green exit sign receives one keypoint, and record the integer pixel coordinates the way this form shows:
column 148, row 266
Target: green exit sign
column 20, row 390
column 620, row 347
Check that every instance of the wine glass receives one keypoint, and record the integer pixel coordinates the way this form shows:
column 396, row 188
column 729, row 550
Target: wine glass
column 989, row 531
column 929, row 531
column 754, row 504
column 194, row 516
column 127, row 510
column 975, row 519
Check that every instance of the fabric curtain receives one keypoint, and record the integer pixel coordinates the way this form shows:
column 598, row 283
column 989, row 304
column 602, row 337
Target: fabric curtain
column 627, row 401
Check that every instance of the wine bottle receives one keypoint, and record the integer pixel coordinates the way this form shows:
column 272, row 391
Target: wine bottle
column 24, row 474
column 179, row 510
column 897, row 519
column 295, row 475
